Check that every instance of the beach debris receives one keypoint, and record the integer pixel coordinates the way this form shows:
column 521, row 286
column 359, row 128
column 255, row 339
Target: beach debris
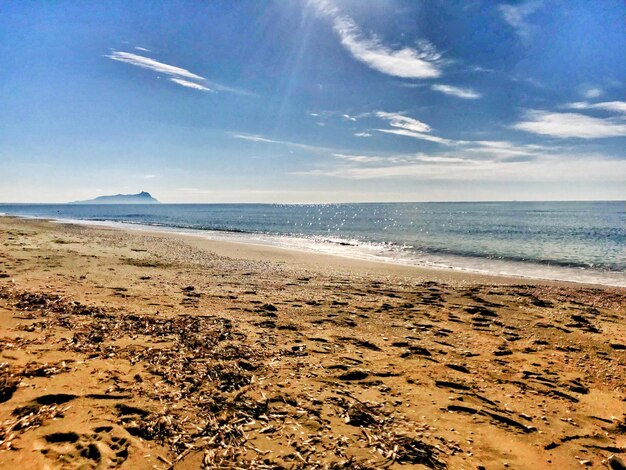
column 362, row 414
column 11, row 428
column 405, row 449
column 203, row 361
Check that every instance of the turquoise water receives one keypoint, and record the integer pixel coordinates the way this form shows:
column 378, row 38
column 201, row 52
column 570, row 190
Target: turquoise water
column 579, row 241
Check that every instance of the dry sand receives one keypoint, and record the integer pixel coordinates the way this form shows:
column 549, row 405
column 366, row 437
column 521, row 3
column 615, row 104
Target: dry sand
column 142, row 350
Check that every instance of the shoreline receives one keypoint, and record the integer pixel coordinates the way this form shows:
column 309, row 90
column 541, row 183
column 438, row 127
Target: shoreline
column 224, row 241
column 126, row 349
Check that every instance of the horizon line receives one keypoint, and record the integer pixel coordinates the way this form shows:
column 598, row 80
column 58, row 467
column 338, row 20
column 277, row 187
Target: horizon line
column 318, row 203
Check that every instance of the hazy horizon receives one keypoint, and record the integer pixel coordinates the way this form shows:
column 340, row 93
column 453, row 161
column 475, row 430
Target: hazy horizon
column 339, row 202
column 313, row 101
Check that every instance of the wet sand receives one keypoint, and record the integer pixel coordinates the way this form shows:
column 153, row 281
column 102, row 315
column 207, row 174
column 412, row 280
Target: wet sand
column 123, row 349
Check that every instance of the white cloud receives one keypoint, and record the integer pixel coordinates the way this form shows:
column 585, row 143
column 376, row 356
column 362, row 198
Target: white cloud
column 188, row 84
column 420, row 170
column 410, row 84
column 592, row 93
column 615, row 106
column 408, row 165
column 416, row 135
column 565, row 125
column 402, row 159
column 442, row 159
column 578, row 105
column 359, row 158
column 362, row 134
column 404, row 122
column 539, row 122
column 143, row 49
column 420, row 167
column 422, row 61
column 151, row 64
column 464, row 93
column 230, row 89
column 517, row 15
column 179, row 75
column 259, row 138
column 501, row 149
column 409, row 127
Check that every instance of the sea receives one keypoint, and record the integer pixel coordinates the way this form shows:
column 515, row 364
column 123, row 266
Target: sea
column 570, row 241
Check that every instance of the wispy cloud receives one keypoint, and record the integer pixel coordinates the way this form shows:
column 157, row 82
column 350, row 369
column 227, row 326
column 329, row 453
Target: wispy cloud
column 517, row 15
column 553, row 124
column 143, row 49
column 402, row 159
column 409, row 127
column 359, row 158
column 151, row 64
column 410, row 84
column 464, row 93
column 416, row 135
column 591, row 167
column 505, row 150
column 416, row 171
column 259, row 138
column 403, row 165
column 615, row 106
column 422, row 61
column 230, row 89
column 591, row 93
column 362, row 134
column 180, row 76
column 404, row 122
column 564, row 125
column 188, row 84
column 326, row 116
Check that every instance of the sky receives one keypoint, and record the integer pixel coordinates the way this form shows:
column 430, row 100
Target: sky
column 296, row 101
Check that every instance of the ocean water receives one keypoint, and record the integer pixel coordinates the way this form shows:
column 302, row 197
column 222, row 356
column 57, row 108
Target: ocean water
column 574, row 241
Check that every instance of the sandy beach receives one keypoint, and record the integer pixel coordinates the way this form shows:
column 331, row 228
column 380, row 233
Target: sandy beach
column 128, row 349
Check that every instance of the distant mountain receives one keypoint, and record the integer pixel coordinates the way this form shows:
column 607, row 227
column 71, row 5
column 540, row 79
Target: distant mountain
column 140, row 198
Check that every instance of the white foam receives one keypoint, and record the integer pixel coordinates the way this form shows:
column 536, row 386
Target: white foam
column 386, row 253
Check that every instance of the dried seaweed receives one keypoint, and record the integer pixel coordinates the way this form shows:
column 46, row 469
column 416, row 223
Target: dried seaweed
column 201, row 359
column 21, row 423
column 407, row 450
column 202, row 379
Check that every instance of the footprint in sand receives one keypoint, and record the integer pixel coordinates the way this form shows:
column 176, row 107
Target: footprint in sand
column 103, row 448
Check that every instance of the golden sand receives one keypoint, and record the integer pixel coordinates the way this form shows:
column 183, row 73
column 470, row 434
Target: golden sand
column 146, row 350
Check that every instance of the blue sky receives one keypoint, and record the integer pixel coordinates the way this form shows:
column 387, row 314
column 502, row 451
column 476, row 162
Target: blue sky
column 313, row 101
